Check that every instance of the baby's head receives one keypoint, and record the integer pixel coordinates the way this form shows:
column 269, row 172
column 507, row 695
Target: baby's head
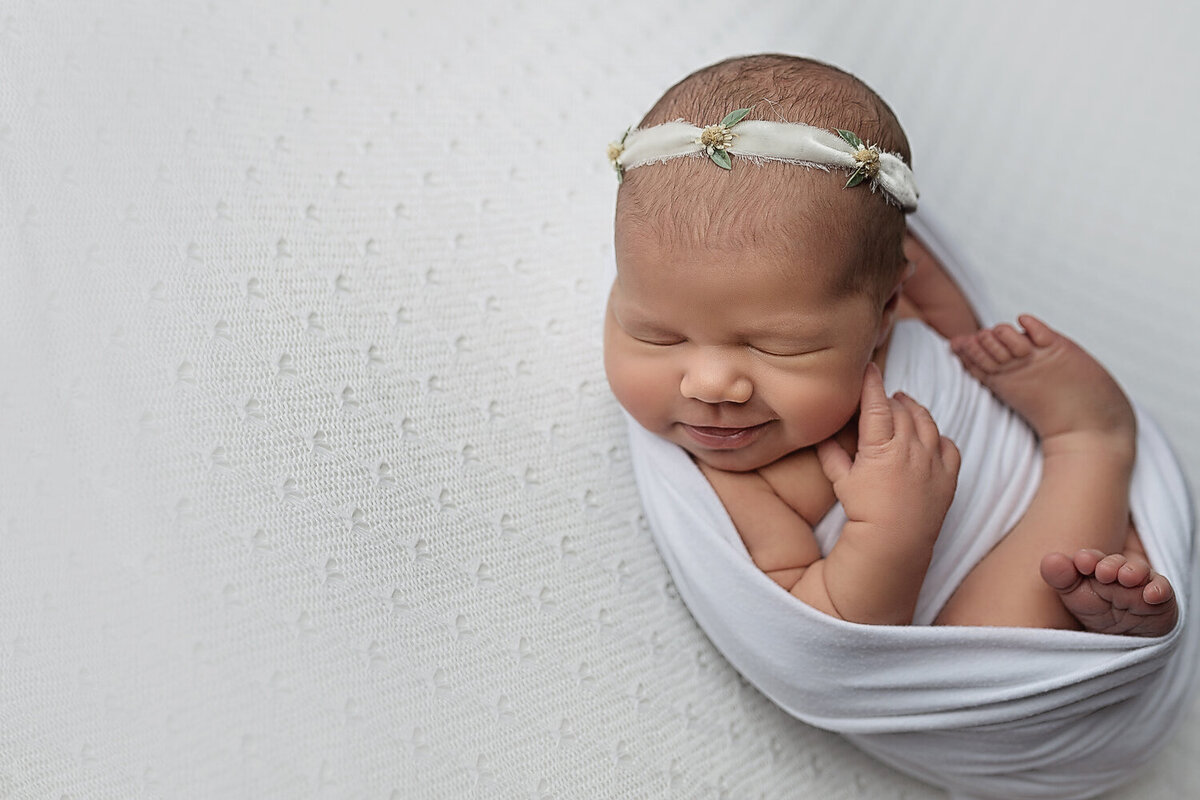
column 749, row 301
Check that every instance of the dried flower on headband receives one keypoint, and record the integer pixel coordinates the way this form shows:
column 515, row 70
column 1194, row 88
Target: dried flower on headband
column 867, row 158
column 614, row 152
column 716, row 139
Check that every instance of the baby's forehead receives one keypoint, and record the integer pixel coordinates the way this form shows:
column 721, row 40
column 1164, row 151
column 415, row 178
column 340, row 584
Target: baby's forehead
column 695, row 186
column 776, row 206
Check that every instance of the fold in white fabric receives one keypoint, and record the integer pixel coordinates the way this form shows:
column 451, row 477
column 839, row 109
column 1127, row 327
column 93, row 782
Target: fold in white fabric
column 793, row 142
column 983, row 712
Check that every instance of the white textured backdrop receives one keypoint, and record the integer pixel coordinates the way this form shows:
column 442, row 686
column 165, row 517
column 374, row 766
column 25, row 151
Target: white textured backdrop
column 310, row 481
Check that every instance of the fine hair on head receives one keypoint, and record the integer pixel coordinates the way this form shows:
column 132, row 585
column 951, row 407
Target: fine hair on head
column 757, row 204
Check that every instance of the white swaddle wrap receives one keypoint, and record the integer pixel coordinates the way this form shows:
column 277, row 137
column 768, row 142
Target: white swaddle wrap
column 984, row 712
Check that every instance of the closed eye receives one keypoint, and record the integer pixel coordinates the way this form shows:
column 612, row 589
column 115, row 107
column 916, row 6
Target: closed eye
column 786, row 353
column 658, row 342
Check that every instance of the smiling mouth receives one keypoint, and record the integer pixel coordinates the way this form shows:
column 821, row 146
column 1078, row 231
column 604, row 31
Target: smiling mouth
column 714, row 438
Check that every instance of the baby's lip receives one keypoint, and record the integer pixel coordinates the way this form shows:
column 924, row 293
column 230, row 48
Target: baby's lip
column 722, row 437
column 722, row 430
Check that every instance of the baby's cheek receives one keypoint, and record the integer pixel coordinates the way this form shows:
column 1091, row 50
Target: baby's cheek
column 638, row 386
column 826, row 407
column 849, row 398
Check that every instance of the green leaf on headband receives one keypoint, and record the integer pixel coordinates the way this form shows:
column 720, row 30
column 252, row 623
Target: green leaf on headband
column 858, row 176
column 734, row 117
column 850, row 138
column 721, row 159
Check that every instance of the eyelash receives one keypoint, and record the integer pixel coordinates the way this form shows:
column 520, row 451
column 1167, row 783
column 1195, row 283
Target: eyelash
column 810, row 352
column 774, row 355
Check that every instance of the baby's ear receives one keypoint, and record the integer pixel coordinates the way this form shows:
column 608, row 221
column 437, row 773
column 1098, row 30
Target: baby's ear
column 893, row 308
column 909, row 269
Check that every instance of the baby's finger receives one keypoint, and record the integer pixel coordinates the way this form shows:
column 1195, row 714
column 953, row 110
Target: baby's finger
column 903, row 426
column 926, row 428
column 950, row 455
column 875, row 412
column 834, row 460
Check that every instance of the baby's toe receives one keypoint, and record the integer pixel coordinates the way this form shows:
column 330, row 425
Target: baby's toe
column 994, row 347
column 1134, row 572
column 1109, row 567
column 1039, row 332
column 974, row 355
column 1017, row 343
column 1087, row 559
column 1158, row 590
column 1059, row 572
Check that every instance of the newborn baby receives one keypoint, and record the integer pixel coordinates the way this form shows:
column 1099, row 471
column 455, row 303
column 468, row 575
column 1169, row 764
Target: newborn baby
column 946, row 605
column 749, row 324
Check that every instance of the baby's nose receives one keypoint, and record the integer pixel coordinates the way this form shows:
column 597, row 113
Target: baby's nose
column 713, row 379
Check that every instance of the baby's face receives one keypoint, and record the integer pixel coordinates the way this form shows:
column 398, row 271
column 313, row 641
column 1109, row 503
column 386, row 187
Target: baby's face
column 738, row 355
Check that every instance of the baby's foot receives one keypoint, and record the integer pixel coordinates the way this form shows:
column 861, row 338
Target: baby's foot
column 1049, row 380
column 1117, row 593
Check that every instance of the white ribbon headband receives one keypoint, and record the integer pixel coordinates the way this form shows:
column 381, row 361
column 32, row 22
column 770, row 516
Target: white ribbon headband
column 790, row 142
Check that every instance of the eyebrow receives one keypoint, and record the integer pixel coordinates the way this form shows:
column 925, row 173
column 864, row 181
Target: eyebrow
column 806, row 334
column 632, row 314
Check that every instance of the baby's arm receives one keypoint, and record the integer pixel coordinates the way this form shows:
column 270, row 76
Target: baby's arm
column 895, row 491
column 778, row 538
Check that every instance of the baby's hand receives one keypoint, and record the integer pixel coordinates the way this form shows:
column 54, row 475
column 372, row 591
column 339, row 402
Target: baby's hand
column 902, row 479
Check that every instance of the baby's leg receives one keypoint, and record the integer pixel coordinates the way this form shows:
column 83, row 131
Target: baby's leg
column 1088, row 433
column 931, row 295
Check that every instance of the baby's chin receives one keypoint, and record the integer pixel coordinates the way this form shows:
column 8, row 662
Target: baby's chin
column 745, row 459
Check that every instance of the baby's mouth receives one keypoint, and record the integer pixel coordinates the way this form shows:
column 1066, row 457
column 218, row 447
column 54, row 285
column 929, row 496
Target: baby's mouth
column 719, row 438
